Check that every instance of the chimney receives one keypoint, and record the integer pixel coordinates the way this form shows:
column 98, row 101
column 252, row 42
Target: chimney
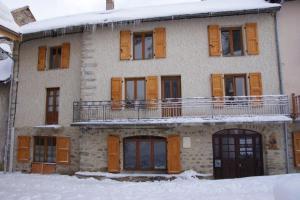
column 109, row 4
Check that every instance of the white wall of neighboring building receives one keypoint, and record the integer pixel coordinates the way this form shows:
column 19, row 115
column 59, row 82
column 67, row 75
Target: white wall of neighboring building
column 289, row 41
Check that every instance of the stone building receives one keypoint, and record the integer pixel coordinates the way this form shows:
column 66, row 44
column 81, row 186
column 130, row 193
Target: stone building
column 160, row 89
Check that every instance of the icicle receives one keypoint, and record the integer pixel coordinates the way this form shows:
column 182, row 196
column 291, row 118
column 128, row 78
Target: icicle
column 112, row 26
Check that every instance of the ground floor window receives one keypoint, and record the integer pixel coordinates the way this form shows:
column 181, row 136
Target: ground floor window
column 45, row 149
column 145, row 153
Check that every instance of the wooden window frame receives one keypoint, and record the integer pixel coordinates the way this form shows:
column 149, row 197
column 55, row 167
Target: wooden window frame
column 164, row 78
column 137, row 140
column 234, row 76
column 142, row 34
column 48, row 90
column 135, row 87
column 231, row 29
column 45, row 138
column 55, row 57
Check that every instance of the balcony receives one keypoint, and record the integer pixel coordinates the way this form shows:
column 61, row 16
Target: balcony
column 296, row 106
column 273, row 108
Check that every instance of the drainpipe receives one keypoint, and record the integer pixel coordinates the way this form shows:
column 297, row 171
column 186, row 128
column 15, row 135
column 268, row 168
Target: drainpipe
column 281, row 89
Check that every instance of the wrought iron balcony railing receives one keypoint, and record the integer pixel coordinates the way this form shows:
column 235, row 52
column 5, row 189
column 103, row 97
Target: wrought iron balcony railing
column 248, row 106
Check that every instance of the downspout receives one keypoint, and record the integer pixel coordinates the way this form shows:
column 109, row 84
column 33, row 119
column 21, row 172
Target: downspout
column 9, row 144
column 281, row 89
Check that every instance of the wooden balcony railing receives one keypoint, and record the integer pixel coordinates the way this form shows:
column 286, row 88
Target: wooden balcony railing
column 296, row 106
column 91, row 111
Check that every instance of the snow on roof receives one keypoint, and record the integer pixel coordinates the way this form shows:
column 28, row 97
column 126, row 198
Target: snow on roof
column 7, row 20
column 5, row 47
column 147, row 12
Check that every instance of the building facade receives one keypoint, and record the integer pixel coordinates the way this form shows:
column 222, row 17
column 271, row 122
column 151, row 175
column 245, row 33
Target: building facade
column 289, row 51
column 160, row 96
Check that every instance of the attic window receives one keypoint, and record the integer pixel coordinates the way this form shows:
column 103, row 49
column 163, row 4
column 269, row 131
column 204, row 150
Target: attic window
column 232, row 42
column 55, row 57
column 143, row 45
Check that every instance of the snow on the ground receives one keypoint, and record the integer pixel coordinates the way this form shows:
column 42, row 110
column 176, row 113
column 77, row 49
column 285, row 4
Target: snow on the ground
column 146, row 12
column 18, row 186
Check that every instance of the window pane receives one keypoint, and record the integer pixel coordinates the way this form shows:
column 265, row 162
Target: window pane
column 225, row 43
column 145, row 154
column 240, row 86
column 167, row 89
column 148, row 46
column 229, row 90
column 51, row 154
column 129, row 90
column 39, row 149
column 50, row 101
column 237, row 48
column 175, row 89
column 138, row 54
column 160, row 155
column 58, row 58
column 130, row 154
column 140, row 90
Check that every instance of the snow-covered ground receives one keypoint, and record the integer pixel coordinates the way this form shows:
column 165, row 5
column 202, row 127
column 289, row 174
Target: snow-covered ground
column 18, row 186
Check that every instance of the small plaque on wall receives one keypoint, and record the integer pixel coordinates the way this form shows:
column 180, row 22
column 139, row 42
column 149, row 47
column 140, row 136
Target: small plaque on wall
column 186, row 143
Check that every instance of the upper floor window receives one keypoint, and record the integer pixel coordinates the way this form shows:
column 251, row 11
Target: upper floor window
column 232, row 42
column 235, row 85
column 55, row 57
column 135, row 89
column 143, row 46
column 52, row 105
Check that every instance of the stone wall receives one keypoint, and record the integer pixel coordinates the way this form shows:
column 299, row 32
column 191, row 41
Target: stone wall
column 93, row 146
column 73, row 133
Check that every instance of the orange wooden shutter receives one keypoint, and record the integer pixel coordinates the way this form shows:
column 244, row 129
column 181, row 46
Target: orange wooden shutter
column 252, row 39
column 152, row 88
column 125, row 45
column 214, row 40
column 116, row 93
column 160, row 43
column 217, row 85
column 42, row 58
column 255, row 84
column 62, row 150
column 174, row 162
column 65, row 55
column 23, row 148
column 296, row 138
column 113, row 151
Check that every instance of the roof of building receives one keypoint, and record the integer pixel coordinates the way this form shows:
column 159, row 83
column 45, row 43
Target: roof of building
column 193, row 8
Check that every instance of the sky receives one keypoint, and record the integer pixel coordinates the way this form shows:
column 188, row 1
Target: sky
column 44, row 9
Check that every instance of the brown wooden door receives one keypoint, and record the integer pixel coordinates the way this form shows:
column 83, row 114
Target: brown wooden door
column 52, row 105
column 171, row 91
column 237, row 153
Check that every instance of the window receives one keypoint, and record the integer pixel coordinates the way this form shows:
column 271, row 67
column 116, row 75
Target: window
column 45, row 149
column 235, row 85
column 232, row 42
column 52, row 105
column 145, row 153
column 135, row 89
column 143, row 46
column 55, row 57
